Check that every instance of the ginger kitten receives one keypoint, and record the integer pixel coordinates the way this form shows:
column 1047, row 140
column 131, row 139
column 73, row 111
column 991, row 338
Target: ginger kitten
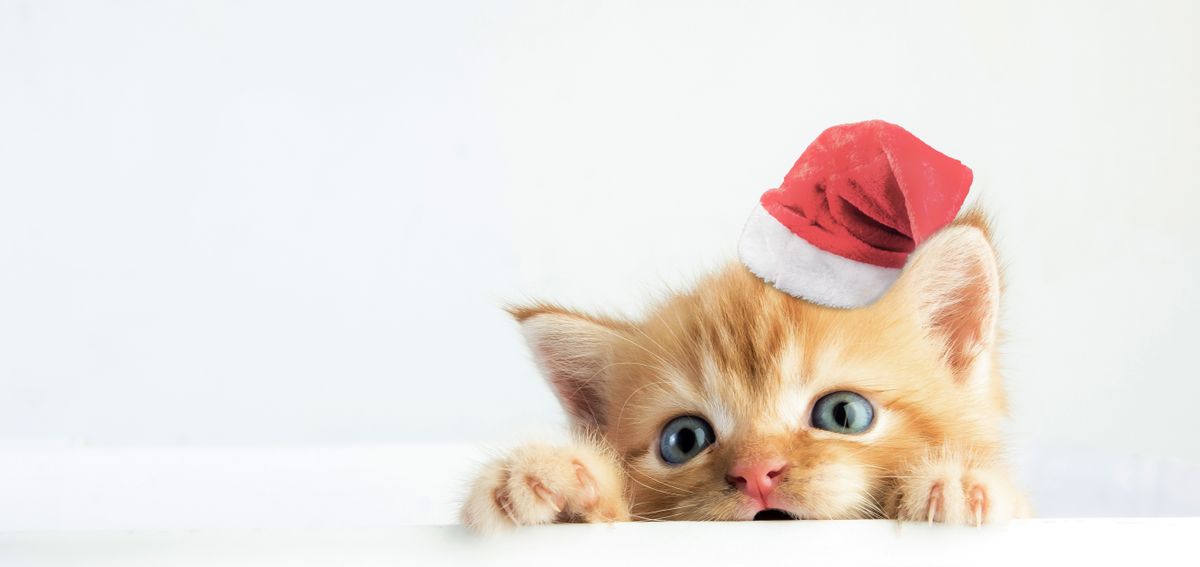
column 736, row 401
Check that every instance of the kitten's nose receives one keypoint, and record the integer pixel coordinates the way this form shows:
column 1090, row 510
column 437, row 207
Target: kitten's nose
column 757, row 478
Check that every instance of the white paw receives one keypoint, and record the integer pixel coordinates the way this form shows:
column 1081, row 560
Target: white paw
column 539, row 484
column 956, row 491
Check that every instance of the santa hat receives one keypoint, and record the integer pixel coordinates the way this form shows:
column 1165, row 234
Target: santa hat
column 842, row 224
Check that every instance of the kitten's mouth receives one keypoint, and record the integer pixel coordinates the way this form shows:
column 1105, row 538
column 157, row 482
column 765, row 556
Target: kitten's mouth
column 774, row 514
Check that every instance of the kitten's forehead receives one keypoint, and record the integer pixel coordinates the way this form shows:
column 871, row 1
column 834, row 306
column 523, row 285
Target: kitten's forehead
column 775, row 392
column 756, row 357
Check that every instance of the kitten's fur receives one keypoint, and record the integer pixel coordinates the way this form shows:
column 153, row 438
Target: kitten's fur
column 752, row 361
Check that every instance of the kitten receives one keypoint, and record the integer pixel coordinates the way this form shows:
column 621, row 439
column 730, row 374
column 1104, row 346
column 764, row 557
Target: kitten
column 738, row 402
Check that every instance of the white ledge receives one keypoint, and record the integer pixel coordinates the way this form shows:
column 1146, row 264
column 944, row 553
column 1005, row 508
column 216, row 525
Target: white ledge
column 377, row 505
column 842, row 543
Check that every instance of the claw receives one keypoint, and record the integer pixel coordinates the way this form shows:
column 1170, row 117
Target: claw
column 935, row 501
column 549, row 496
column 978, row 500
column 501, row 498
column 589, row 495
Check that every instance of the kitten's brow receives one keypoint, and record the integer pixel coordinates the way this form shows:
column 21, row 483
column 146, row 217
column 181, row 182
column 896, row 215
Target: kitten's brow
column 621, row 414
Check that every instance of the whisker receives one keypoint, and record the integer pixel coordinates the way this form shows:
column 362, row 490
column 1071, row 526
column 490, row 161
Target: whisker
column 660, row 481
column 681, row 507
column 648, row 487
column 645, row 519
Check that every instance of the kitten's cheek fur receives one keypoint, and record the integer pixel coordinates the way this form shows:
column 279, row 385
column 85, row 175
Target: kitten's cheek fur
column 542, row 484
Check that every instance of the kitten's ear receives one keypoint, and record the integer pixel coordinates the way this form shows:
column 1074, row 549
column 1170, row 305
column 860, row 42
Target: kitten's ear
column 574, row 352
column 953, row 280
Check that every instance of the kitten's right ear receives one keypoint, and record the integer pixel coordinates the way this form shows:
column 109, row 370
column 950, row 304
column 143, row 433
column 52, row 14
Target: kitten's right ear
column 953, row 281
column 574, row 352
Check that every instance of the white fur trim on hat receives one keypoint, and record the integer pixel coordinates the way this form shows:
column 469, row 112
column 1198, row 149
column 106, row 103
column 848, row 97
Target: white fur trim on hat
column 800, row 269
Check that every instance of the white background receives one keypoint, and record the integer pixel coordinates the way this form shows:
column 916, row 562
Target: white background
column 294, row 223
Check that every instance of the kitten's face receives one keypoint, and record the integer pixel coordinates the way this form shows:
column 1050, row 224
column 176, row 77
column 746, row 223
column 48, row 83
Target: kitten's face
column 735, row 398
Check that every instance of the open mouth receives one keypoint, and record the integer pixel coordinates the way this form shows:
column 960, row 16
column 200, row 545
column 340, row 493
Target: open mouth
column 773, row 514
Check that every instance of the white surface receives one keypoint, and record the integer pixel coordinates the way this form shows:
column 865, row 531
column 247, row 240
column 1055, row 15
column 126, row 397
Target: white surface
column 291, row 222
column 367, row 506
column 842, row 543
column 239, row 488
column 392, row 486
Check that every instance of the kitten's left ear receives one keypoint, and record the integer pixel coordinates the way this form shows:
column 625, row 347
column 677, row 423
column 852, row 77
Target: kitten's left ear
column 574, row 351
column 953, row 280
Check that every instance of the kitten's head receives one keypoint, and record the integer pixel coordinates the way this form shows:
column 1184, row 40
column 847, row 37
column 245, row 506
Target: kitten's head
column 735, row 398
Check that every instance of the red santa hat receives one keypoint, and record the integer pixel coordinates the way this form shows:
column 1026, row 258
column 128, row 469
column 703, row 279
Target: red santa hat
column 842, row 224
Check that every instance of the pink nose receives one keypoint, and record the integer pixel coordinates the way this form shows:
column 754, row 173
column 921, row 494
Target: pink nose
column 756, row 478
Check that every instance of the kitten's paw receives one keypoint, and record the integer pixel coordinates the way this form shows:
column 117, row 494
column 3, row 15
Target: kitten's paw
column 541, row 484
column 955, row 490
column 949, row 500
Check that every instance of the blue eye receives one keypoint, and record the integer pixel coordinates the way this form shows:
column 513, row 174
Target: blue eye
column 843, row 412
column 683, row 438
